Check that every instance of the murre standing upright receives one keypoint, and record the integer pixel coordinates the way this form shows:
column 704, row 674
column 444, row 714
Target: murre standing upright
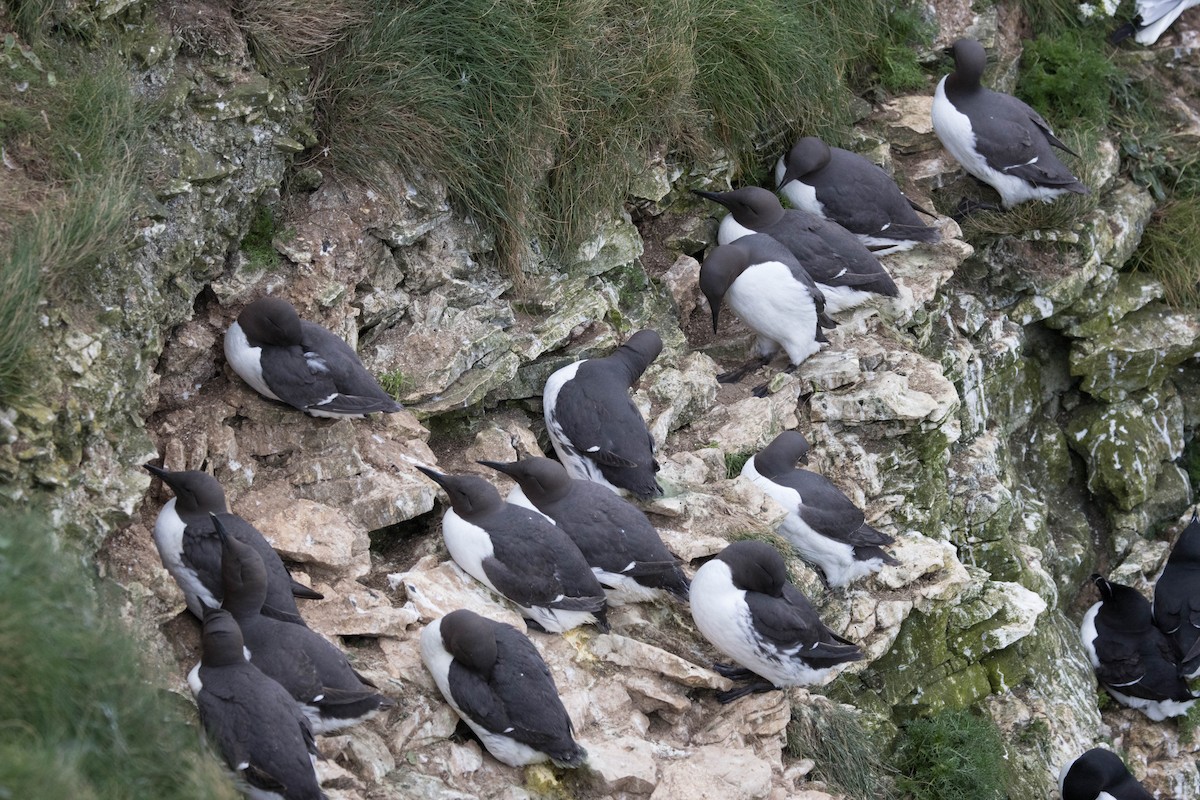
column 595, row 428
column 496, row 681
column 1099, row 774
column 623, row 548
column 743, row 604
column 519, row 554
column 190, row 549
column 847, row 272
column 996, row 137
column 300, row 363
column 315, row 672
column 846, row 188
column 1176, row 606
column 253, row 721
column 772, row 293
column 824, row 526
column 1135, row 662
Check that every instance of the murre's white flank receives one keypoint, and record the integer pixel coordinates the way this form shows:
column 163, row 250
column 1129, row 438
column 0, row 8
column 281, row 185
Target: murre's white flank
column 190, row 549
column 1176, row 606
column 252, row 720
column 1134, row 661
column 495, row 680
column 519, row 554
column 595, row 428
column 1099, row 774
column 824, row 526
column 742, row 603
column 996, row 137
column 300, row 363
column 623, row 549
column 1153, row 19
column 315, row 673
column 846, row 188
column 841, row 265
column 771, row 293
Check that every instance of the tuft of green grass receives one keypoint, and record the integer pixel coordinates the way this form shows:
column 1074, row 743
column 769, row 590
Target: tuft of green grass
column 396, row 383
column 1069, row 77
column 1170, row 250
column 951, row 755
column 893, row 55
column 285, row 32
column 71, row 131
column 734, row 463
column 846, row 755
column 257, row 243
column 82, row 716
column 537, row 117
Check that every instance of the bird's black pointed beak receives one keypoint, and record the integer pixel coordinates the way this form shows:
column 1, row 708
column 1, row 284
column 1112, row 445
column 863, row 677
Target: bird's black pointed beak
column 500, row 466
column 716, row 312
column 437, row 477
column 220, row 528
column 157, row 472
column 789, row 175
column 714, row 196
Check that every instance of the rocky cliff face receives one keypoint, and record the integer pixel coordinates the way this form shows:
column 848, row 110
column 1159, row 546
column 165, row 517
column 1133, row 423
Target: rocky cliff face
column 1014, row 418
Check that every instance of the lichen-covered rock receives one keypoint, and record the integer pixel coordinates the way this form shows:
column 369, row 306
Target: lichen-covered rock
column 1137, row 353
column 1126, row 443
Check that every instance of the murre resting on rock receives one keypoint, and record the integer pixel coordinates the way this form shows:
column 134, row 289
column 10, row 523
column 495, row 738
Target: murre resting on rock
column 1135, row 662
column 623, row 548
column 595, row 428
column 519, row 554
column 252, row 720
column 842, row 266
column 495, row 680
column 773, row 295
column 190, row 549
column 996, row 137
column 1176, row 606
column 824, row 526
column 846, row 188
column 315, row 672
column 1099, row 774
column 743, row 604
column 1153, row 19
column 300, row 363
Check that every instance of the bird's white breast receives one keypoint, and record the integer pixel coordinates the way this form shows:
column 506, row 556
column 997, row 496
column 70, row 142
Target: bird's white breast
column 246, row 360
column 775, row 305
column 469, row 545
column 731, row 230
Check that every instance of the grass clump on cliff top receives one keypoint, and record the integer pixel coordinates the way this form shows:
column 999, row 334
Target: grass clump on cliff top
column 70, row 128
column 1069, row 76
column 846, row 754
column 1170, row 250
column 82, row 719
column 538, row 116
column 951, row 755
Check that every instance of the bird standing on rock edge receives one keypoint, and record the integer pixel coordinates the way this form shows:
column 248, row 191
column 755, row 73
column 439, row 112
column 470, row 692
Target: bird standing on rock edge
column 300, row 363
column 824, row 526
column 846, row 188
column 1176, row 606
column 1099, row 774
column 190, row 548
column 743, row 603
column 623, row 548
column 315, row 672
column 772, row 294
column 996, row 137
column 520, row 555
column 496, row 681
column 252, row 720
column 847, row 273
column 597, row 431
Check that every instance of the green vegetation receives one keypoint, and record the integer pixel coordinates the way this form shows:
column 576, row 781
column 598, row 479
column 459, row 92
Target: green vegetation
column 283, row 32
column 256, row 244
column 1069, row 77
column 396, row 383
column 1170, row 250
column 536, row 117
column 70, row 129
column 82, row 719
column 894, row 54
column 847, row 756
column 734, row 463
column 951, row 755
